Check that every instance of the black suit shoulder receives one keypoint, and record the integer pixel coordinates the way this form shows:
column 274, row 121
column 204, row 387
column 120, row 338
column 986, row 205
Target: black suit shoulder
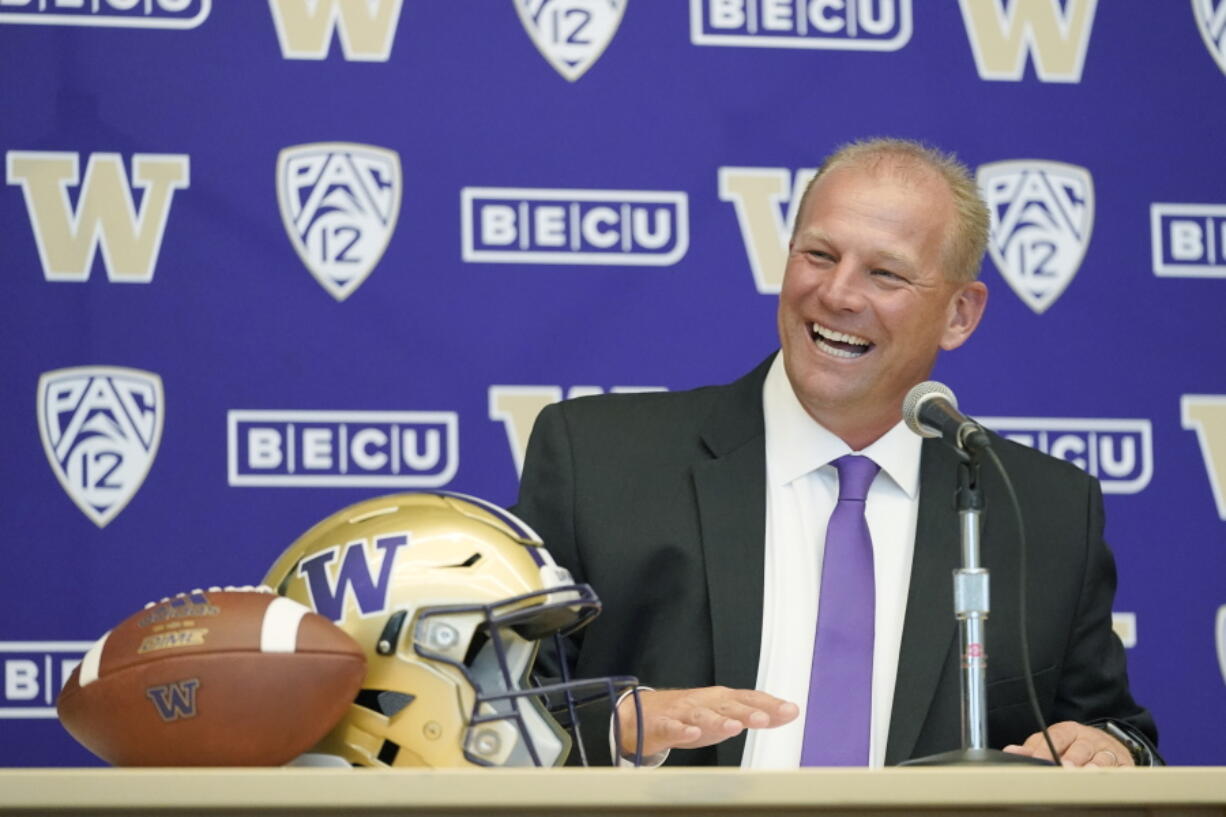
column 1015, row 455
column 655, row 408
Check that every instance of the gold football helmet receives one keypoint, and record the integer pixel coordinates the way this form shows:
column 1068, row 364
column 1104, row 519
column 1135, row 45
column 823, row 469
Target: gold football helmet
column 450, row 597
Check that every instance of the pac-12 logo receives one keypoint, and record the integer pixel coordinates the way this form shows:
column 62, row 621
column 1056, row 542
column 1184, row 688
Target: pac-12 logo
column 1042, row 217
column 1211, row 20
column 861, row 25
column 339, row 202
column 100, row 427
column 571, row 34
column 121, row 13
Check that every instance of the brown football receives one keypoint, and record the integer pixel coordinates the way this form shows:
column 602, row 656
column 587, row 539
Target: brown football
column 233, row 677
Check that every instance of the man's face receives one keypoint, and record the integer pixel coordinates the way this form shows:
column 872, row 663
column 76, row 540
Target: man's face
column 866, row 304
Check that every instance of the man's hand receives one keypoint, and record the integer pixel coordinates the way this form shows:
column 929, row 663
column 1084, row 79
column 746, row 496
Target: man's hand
column 1078, row 745
column 691, row 718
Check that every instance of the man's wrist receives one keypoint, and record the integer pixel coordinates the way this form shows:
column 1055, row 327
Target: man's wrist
column 621, row 758
column 1143, row 752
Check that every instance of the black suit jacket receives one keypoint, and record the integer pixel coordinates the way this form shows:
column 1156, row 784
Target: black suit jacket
column 659, row 502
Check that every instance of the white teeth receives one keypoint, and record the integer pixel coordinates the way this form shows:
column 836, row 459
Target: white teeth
column 830, row 350
column 821, row 334
column 830, row 334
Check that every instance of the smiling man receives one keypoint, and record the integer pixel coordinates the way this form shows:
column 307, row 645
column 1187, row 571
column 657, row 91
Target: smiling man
column 774, row 555
column 875, row 286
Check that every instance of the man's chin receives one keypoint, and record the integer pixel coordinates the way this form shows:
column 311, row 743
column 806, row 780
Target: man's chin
column 833, row 403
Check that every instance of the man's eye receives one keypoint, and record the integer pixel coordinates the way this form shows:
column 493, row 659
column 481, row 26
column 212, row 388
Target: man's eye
column 821, row 255
column 885, row 273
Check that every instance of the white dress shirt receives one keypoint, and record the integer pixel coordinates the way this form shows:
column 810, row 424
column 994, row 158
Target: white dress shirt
column 801, row 490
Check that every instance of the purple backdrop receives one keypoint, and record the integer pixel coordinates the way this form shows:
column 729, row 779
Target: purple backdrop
column 261, row 260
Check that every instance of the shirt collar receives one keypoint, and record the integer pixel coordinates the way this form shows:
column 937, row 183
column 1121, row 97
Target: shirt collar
column 797, row 445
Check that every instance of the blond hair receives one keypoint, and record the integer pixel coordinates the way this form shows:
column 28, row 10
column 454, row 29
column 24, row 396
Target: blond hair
column 907, row 159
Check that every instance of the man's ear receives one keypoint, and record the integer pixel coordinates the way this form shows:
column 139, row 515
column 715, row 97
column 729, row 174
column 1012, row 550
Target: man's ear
column 965, row 310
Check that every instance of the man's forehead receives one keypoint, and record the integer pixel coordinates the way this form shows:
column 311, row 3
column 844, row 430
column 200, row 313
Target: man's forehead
column 816, row 234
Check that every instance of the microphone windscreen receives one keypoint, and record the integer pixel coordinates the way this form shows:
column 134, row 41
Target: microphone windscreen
column 916, row 397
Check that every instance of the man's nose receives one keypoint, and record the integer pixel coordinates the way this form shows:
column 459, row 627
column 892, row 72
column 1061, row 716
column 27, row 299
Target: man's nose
column 842, row 288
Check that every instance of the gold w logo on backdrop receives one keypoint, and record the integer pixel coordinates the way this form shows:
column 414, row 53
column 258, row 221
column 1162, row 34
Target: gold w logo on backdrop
column 365, row 27
column 1054, row 38
column 759, row 194
column 1206, row 415
column 105, row 214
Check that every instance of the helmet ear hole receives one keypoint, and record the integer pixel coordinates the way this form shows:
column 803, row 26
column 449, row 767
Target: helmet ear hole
column 481, row 637
column 388, row 752
column 384, row 701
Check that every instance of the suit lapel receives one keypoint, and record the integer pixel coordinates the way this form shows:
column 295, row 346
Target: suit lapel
column 929, row 630
column 731, row 492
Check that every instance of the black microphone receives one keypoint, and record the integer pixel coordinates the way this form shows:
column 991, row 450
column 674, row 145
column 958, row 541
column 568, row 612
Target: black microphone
column 931, row 410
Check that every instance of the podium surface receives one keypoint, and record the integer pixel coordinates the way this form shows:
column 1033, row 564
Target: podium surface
column 1173, row 792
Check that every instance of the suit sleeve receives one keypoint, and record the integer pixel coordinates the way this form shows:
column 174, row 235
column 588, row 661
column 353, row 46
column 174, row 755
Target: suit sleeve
column 1094, row 685
column 547, row 488
column 546, row 503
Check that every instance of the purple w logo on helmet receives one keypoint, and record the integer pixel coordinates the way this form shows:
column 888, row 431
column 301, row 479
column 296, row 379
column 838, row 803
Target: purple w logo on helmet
column 353, row 577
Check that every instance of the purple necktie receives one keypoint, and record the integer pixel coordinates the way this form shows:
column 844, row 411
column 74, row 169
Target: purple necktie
column 840, row 685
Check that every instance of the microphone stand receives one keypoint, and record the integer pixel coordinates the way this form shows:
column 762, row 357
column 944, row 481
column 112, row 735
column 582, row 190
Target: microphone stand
column 971, row 606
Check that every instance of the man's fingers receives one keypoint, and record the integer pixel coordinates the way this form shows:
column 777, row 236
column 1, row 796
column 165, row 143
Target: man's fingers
column 1078, row 745
column 1078, row 753
column 1062, row 735
column 672, row 732
column 745, row 715
column 743, row 703
column 691, row 718
column 699, row 726
column 1106, row 758
column 712, row 721
column 751, row 716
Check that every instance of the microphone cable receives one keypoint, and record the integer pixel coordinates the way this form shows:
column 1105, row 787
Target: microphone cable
column 1023, row 631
